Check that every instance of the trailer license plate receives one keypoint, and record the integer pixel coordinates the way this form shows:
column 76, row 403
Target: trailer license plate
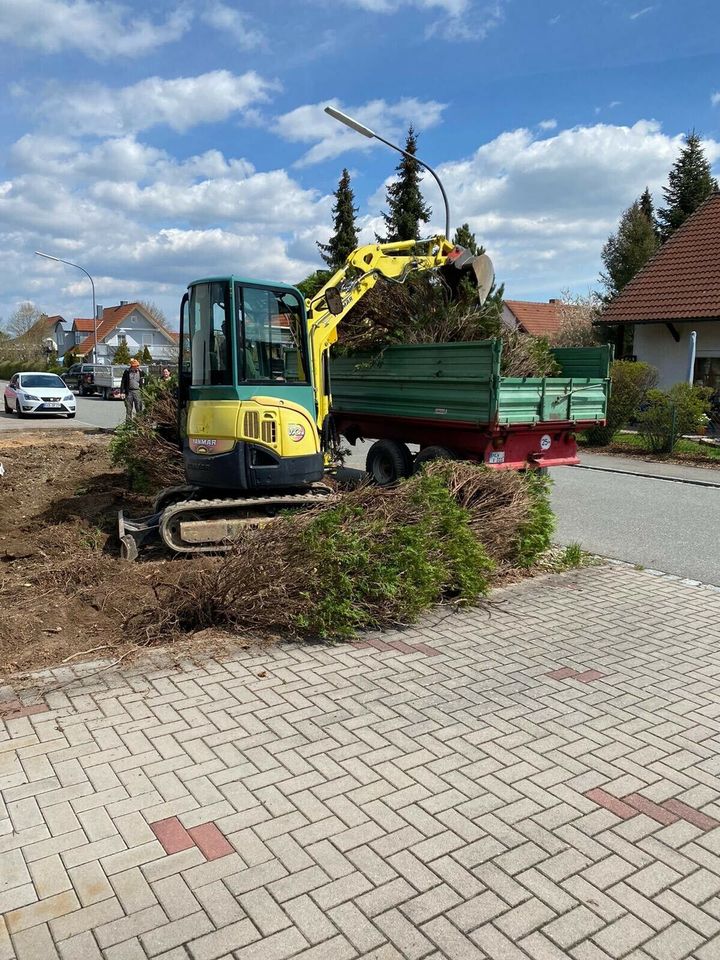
column 55, row 406
column 497, row 456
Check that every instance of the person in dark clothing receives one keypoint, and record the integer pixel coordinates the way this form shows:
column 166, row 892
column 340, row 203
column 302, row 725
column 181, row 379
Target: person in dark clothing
column 133, row 380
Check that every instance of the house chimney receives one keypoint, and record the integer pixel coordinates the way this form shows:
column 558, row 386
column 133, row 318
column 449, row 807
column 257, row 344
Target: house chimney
column 554, row 300
column 124, row 303
column 99, row 311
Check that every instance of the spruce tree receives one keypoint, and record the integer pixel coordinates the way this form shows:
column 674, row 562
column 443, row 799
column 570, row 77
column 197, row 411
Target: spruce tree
column 344, row 239
column 404, row 199
column 690, row 182
column 464, row 237
column 146, row 355
column 648, row 208
column 627, row 250
column 122, row 354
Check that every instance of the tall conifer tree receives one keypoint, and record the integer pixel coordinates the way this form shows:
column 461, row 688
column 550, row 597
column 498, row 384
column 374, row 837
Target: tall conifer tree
column 629, row 249
column 406, row 209
column 690, row 182
column 344, row 239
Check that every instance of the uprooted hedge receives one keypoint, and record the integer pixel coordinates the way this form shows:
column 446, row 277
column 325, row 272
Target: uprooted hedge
column 424, row 310
column 147, row 447
column 371, row 558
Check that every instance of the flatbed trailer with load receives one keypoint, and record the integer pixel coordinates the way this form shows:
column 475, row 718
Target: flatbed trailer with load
column 451, row 400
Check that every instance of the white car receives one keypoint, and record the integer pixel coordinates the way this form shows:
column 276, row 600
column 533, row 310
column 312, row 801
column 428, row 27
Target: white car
column 39, row 393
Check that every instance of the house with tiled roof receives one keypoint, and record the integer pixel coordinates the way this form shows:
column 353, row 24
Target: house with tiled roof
column 677, row 293
column 129, row 323
column 539, row 319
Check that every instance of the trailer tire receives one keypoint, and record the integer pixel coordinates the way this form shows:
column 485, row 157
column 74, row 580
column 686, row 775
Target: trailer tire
column 432, row 453
column 388, row 461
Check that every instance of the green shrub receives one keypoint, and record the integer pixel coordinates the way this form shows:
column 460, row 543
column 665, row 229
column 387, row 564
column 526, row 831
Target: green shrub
column 369, row 574
column 534, row 535
column 630, row 383
column 672, row 413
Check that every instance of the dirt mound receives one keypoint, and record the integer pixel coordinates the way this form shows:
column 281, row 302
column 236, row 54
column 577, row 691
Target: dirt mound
column 59, row 499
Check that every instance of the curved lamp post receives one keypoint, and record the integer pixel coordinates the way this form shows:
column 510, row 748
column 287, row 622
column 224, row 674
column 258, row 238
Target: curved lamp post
column 370, row 134
column 92, row 284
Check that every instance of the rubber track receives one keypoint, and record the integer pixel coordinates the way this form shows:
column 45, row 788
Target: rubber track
column 309, row 499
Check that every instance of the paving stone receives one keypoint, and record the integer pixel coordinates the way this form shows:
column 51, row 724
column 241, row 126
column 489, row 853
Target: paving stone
column 568, row 930
column 674, row 943
column 41, row 912
column 363, row 934
column 35, row 943
column 163, row 938
column 623, row 936
column 222, row 943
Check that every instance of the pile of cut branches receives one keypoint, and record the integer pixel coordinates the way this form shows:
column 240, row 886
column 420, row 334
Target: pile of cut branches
column 374, row 557
column 422, row 310
column 147, row 447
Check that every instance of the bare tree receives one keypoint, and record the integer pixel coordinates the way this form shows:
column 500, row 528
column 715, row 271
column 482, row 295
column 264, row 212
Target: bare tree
column 155, row 312
column 23, row 320
column 577, row 316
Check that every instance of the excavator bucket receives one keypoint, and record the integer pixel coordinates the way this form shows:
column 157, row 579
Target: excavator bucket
column 461, row 263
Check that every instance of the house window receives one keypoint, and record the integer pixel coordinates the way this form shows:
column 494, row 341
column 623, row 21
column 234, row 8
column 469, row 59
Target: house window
column 122, row 339
column 147, row 339
column 707, row 372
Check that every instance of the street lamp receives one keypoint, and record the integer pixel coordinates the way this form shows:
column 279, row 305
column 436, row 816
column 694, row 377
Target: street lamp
column 370, row 134
column 92, row 284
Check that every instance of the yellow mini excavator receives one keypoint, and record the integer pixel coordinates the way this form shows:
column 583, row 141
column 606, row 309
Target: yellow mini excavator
column 254, row 393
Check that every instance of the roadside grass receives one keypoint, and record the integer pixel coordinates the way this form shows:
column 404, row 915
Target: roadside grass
column 687, row 450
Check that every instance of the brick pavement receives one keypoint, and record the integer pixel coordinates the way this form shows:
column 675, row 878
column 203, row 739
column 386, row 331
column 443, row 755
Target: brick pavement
column 540, row 782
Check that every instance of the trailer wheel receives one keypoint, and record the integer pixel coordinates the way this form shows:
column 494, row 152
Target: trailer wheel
column 388, row 461
column 432, row 453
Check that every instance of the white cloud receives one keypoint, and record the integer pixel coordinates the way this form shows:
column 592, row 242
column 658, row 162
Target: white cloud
column 310, row 123
column 97, row 28
column 238, row 26
column 468, row 23
column 547, row 124
column 715, row 99
column 544, row 206
column 460, row 20
column 179, row 103
column 145, row 223
column 641, row 13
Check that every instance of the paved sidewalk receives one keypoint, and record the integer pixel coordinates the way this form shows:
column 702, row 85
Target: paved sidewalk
column 538, row 780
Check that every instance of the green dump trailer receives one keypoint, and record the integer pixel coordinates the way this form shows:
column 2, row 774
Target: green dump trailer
column 451, row 401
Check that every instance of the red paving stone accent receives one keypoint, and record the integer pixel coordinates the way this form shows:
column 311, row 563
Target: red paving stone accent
column 618, row 807
column 562, row 674
column 588, row 676
column 211, row 842
column 402, row 646
column 379, row 644
column 650, row 809
column 424, row 648
column 14, row 709
column 696, row 817
column 172, row 835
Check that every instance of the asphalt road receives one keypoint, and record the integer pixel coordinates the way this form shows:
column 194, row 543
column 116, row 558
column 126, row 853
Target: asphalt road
column 659, row 524
column 91, row 412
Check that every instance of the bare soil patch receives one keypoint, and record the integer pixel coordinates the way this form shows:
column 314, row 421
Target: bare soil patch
column 64, row 592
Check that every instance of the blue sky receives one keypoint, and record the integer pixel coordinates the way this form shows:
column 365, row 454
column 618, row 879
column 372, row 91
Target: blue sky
column 157, row 142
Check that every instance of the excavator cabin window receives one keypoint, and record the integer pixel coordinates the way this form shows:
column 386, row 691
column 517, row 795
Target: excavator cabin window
column 271, row 334
column 211, row 341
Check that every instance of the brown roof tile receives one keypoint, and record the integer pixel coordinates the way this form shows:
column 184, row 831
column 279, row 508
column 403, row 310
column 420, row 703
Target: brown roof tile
column 83, row 324
column 682, row 280
column 539, row 319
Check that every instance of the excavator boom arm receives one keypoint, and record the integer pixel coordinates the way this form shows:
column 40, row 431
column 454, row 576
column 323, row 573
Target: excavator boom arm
column 363, row 268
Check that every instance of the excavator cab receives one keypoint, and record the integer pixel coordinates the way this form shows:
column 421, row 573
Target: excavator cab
column 246, row 393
